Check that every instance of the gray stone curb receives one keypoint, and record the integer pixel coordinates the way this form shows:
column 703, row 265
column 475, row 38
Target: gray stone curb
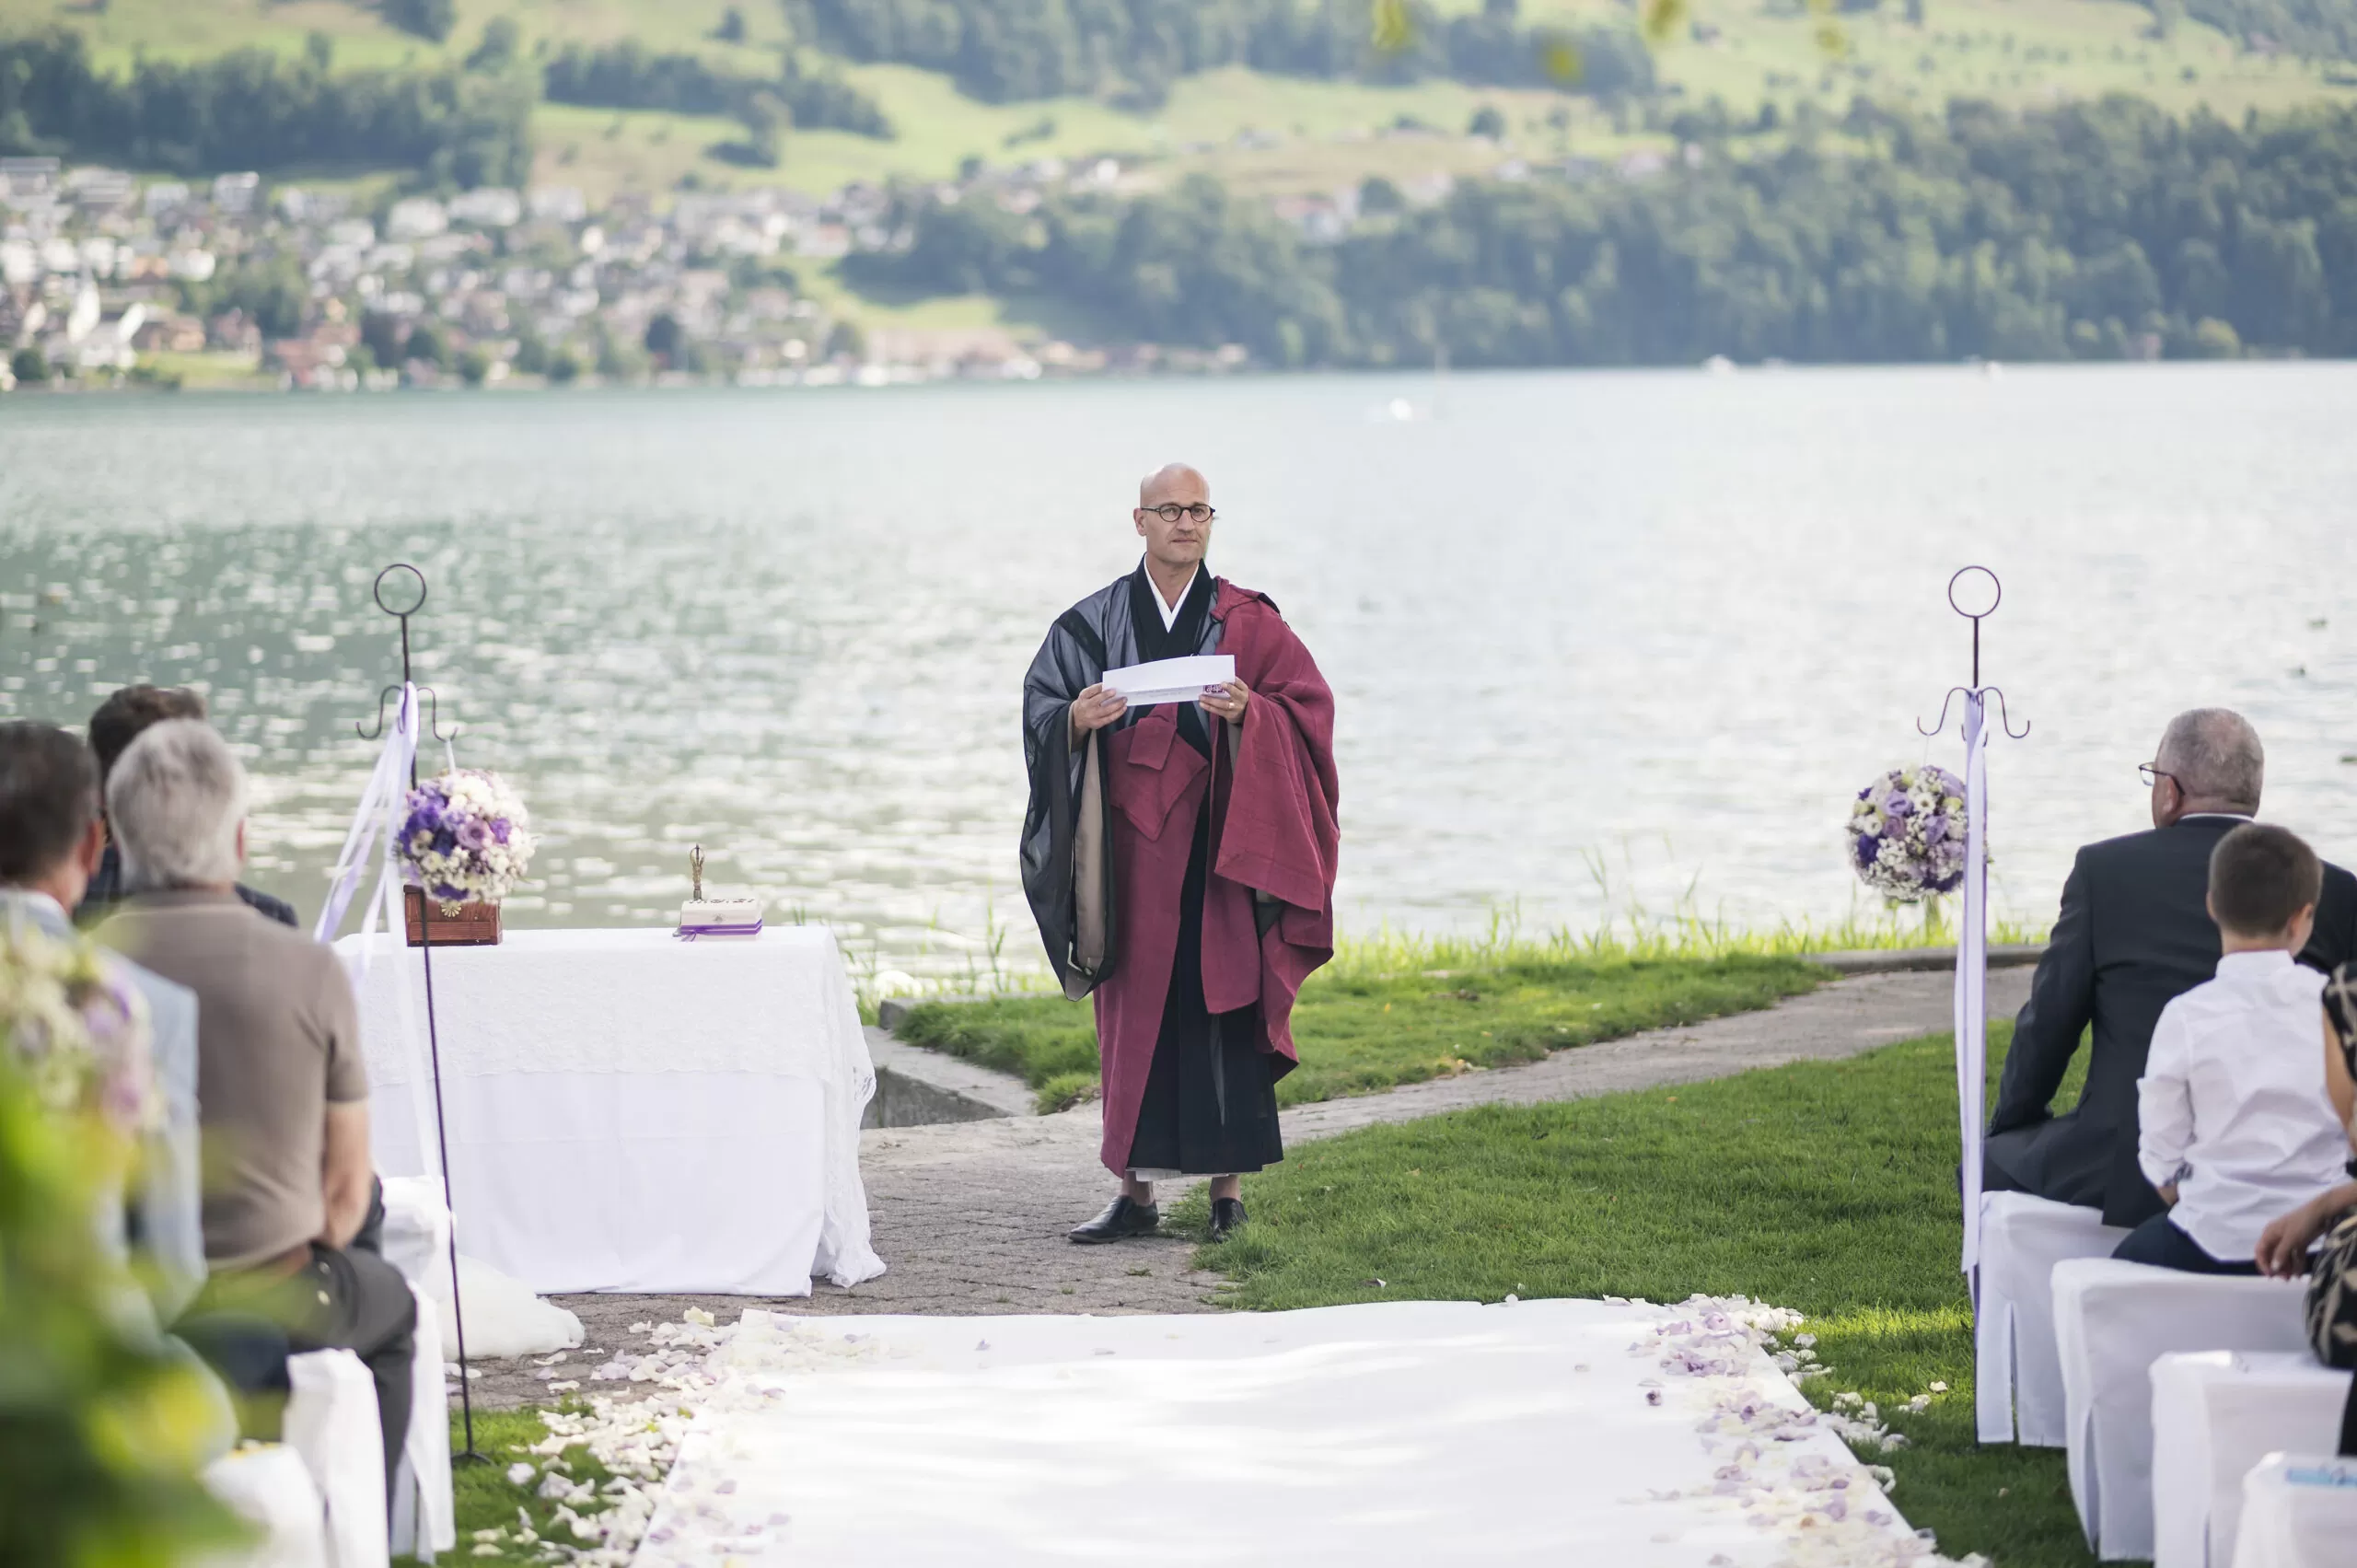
column 916, row 1085
column 1901, row 960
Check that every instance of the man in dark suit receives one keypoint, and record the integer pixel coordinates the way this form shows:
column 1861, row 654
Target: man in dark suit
column 2133, row 934
column 120, row 720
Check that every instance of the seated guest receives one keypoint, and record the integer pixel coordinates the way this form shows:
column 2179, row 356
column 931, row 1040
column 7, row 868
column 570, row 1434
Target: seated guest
column 118, row 723
column 50, row 838
column 282, row 1088
column 2236, row 1126
column 2134, row 932
column 2331, row 1216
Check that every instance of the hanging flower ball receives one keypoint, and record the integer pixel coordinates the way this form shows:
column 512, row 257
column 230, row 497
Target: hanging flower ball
column 1907, row 832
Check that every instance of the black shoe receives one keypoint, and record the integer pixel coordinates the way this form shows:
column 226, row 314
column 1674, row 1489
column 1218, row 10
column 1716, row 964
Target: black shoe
column 1227, row 1214
column 1121, row 1218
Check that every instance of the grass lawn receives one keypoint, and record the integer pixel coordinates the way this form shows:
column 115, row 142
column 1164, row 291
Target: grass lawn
column 487, row 1500
column 1828, row 1188
column 1359, row 1028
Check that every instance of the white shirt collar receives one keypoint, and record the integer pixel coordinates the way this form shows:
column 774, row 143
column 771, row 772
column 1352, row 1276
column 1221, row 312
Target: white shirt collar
column 2259, row 960
column 36, row 904
column 2221, row 816
column 1170, row 611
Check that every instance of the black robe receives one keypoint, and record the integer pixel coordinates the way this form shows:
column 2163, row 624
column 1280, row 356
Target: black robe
column 1210, row 1104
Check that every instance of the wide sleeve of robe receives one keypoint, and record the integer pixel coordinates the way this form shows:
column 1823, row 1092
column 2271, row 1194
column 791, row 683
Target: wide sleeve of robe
column 1067, row 866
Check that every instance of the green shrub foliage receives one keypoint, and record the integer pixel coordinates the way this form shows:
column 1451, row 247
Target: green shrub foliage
column 2099, row 230
column 252, row 109
column 1136, row 49
column 629, row 76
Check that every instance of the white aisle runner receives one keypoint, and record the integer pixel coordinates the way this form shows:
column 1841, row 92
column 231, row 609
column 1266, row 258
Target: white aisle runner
column 1404, row 1432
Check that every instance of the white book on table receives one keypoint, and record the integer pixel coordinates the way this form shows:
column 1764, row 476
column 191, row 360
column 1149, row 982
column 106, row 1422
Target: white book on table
column 1171, row 679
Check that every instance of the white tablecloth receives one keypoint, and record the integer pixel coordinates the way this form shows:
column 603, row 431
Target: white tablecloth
column 628, row 1111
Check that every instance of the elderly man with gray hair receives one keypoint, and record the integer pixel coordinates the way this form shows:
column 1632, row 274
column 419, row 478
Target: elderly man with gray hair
column 282, row 1090
column 2134, row 932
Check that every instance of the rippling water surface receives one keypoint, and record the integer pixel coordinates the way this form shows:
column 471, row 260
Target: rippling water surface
column 1598, row 638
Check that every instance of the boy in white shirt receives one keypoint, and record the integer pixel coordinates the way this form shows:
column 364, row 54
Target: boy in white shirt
column 2233, row 1125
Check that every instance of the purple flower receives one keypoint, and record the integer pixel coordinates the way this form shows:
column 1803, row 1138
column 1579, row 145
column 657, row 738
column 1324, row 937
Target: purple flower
column 471, row 834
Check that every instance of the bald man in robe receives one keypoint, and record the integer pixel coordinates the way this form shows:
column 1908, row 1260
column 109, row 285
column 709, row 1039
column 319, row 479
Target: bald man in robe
column 1180, row 858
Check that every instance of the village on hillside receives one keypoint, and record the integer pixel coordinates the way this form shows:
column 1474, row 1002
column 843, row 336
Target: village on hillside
column 110, row 280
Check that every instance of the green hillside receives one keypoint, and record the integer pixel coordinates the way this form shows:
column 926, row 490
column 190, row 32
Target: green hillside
column 1254, row 129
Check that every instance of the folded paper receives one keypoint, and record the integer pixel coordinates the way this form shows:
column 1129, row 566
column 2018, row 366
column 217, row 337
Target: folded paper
column 1171, row 679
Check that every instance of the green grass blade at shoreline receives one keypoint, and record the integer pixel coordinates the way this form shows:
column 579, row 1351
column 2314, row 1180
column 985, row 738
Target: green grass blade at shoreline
column 1361, row 1028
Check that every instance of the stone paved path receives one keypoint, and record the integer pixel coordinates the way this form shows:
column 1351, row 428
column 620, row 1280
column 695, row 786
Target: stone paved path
column 971, row 1215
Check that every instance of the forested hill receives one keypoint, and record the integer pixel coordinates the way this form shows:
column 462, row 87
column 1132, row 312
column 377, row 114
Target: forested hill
column 1134, row 50
column 2103, row 231
column 2325, row 29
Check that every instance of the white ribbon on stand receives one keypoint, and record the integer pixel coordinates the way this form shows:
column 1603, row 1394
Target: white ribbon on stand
column 382, row 806
column 1972, row 972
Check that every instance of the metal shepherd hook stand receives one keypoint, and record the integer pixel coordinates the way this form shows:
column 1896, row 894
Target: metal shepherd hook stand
column 1973, row 586
column 425, row 955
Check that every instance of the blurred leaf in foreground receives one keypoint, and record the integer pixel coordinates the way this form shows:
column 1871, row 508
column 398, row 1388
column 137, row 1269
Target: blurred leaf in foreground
column 1395, row 26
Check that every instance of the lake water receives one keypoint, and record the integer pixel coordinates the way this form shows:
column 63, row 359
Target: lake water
column 1598, row 639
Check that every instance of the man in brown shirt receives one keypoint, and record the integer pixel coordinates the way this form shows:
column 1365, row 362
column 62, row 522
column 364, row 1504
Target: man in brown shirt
column 282, row 1089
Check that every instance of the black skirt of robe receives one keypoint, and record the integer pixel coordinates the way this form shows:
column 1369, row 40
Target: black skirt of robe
column 1209, row 1106
column 1211, row 1102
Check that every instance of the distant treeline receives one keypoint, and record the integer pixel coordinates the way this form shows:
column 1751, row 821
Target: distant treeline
column 252, row 109
column 2083, row 232
column 1133, row 51
column 2321, row 30
column 628, row 75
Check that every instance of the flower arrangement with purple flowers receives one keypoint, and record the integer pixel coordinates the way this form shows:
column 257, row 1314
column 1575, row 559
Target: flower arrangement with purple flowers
column 77, row 1029
column 467, row 838
column 1907, row 835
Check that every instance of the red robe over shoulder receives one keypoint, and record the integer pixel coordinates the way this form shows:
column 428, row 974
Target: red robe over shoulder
column 1274, row 798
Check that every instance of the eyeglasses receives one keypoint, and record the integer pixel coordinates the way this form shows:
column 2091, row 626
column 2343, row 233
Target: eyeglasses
column 1170, row 512
column 2153, row 775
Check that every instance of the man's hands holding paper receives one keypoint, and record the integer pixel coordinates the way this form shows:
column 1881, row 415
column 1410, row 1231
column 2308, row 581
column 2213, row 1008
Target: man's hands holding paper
column 1094, row 709
column 1101, row 705
column 1227, row 700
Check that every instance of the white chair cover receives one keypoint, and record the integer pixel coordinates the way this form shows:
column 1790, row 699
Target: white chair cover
column 417, row 1233
column 425, row 1512
column 417, row 1242
column 331, row 1422
column 2113, row 1320
column 270, row 1487
column 2215, row 1414
column 2299, row 1511
column 2017, row 1376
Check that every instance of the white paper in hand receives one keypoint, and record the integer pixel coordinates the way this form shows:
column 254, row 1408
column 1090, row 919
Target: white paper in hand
column 1170, row 679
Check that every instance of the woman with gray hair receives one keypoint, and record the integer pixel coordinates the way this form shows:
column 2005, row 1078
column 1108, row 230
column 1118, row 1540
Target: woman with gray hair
column 282, row 1089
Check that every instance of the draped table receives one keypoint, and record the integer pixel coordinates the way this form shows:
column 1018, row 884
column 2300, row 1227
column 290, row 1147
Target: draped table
column 631, row 1111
